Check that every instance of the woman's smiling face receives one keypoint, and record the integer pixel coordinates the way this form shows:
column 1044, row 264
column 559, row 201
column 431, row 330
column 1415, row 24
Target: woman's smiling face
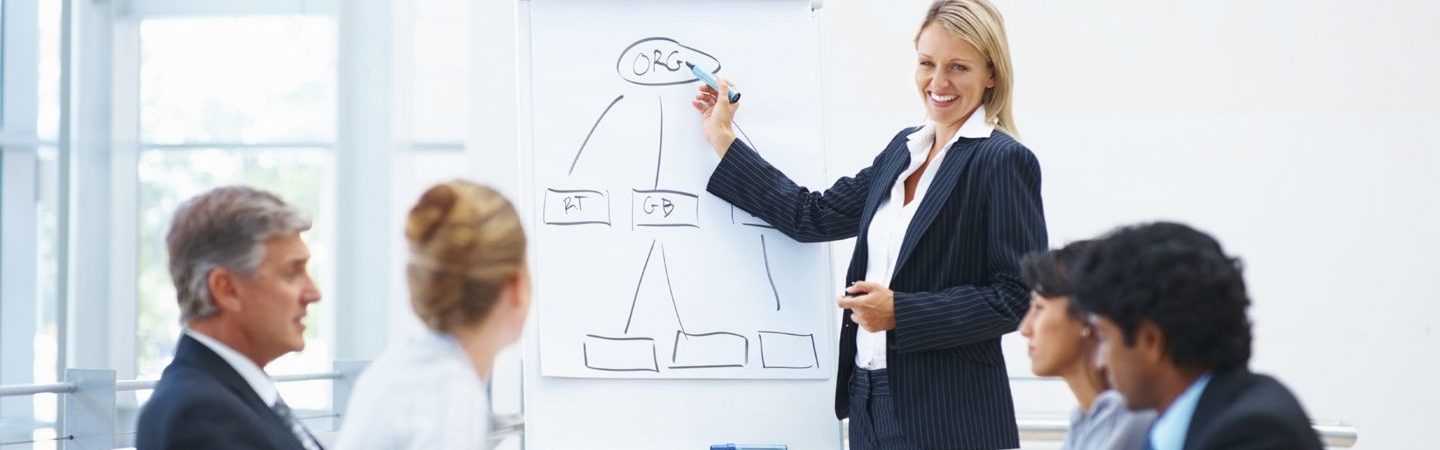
column 951, row 75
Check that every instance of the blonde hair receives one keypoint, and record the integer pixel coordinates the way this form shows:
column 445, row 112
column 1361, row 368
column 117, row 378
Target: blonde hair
column 466, row 243
column 978, row 22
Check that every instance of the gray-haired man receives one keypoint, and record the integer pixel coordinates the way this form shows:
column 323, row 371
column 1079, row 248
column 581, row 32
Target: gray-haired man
column 238, row 265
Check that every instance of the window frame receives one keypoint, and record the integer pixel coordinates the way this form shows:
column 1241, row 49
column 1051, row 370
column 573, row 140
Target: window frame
column 19, row 155
column 133, row 130
column 100, row 149
column 121, row 94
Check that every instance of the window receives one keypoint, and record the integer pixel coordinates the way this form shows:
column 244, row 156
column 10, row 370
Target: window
column 29, row 203
column 438, row 84
column 197, row 94
column 225, row 100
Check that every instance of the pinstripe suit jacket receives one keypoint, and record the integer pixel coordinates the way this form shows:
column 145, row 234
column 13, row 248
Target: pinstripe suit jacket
column 956, row 281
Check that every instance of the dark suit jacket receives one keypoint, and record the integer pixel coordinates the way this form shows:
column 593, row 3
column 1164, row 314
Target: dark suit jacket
column 201, row 402
column 956, row 282
column 1247, row 411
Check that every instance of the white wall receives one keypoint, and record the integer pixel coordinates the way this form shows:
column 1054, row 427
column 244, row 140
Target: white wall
column 1298, row 132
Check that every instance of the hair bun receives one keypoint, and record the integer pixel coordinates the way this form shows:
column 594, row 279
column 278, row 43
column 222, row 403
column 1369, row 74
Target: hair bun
column 429, row 214
column 466, row 243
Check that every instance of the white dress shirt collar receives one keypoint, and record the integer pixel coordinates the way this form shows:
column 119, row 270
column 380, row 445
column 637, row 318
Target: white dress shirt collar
column 976, row 127
column 254, row 376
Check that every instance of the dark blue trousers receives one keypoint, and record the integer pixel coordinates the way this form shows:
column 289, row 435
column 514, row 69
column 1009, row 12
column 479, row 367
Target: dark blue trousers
column 873, row 425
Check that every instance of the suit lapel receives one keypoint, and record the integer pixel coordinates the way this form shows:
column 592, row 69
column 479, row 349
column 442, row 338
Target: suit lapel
column 946, row 177
column 191, row 352
column 885, row 178
column 1216, row 395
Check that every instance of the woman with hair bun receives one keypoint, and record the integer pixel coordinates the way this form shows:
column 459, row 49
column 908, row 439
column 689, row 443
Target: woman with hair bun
column 470, row 286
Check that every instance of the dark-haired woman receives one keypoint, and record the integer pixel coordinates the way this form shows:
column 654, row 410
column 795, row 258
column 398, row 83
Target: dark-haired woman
column 1063, row 344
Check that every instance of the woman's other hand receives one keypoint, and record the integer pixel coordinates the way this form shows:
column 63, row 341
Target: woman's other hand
column 871, row 305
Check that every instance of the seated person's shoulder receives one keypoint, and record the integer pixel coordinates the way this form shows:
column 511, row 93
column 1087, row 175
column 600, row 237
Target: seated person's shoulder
column 1262, row 393
column 185, row 391
column 191, row 409
column 1265, row 414
column 1128, row 429
column 180, row 383
column 386, row 411
column 390, row 378
column 1258, row 429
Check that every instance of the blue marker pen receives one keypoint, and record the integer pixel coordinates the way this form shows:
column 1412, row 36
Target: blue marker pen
column 705, row 76
column 748, row 447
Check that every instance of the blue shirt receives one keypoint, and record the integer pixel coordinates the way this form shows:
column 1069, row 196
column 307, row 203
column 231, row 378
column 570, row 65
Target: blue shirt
column 1169, row 431
column 1108, row 425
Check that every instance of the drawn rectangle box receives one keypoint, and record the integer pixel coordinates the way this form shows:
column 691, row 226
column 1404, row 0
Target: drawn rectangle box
column 620, row 354
column 662, row 208
column 709, row 350
column 780, row 350
column 576, row 207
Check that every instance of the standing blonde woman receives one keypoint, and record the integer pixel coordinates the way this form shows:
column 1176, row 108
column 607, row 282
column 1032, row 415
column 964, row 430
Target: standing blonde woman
column 942, row 217
column 470, row 287
column 1063, row 344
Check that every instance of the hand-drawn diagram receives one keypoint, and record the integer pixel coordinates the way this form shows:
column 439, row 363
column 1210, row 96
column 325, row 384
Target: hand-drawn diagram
column 609, row 348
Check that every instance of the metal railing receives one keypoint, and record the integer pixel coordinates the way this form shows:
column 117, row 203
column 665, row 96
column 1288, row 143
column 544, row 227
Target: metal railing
column 88, row 412
column 1332, row 434
column 32, row 389
column 1037, row 429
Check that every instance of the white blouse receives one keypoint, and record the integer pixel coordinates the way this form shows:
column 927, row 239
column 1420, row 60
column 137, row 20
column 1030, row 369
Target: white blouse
column 421, row 393
column 892, row 219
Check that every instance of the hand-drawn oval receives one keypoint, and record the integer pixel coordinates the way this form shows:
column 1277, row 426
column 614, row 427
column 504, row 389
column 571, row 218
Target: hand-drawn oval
column 659, row 61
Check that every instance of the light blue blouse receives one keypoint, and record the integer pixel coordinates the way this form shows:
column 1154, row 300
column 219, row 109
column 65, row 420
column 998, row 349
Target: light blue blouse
column 1108, row 425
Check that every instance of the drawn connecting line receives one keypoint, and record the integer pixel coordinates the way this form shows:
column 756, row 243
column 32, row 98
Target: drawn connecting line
column 740, row 217
column 748, row 141
column 764, row 253
column 592, row 133
column 669, row 287
column 710, row 350
column 652, row 61
column 579, row 206
column 620, row 354
column 788, row 350
column 660, row 146
column 662, row 207
column 641, row 283
column 659, row 61
column 628, row 354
